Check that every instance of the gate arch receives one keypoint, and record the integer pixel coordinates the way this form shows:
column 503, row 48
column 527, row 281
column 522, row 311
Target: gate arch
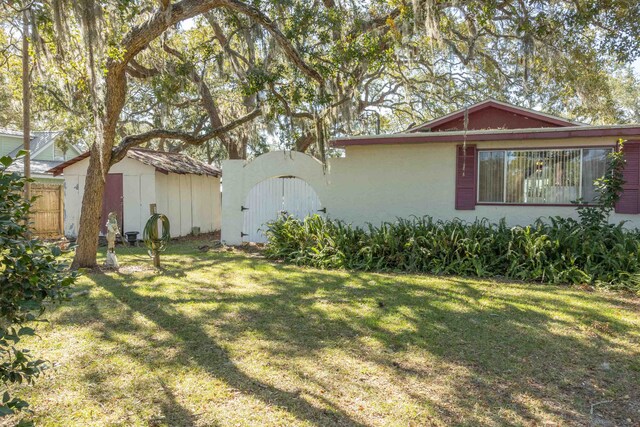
column 240, row 177
column 273, row 197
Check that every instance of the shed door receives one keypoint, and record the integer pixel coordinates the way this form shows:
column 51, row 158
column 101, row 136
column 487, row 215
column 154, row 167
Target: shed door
column 273, row 197
column 112, row 201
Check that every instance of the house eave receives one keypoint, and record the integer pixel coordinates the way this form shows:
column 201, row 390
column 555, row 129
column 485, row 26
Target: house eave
column 492, row 135
column 46, row 176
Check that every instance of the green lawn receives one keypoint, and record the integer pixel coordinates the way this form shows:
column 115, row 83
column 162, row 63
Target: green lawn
column 228, row 338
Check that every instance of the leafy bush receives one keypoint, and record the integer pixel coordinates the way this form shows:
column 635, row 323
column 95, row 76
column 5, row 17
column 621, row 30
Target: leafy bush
column 558, row 251
column 30, row 274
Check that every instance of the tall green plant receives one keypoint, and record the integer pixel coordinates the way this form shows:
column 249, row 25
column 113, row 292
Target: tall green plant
column 561, row 250
column 608, row 191
column 30, row 275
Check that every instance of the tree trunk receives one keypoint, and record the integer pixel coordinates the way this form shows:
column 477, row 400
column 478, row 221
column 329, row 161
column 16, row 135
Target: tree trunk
column 26, row 106
column 99, row 164
column 244, row 144
column 234, row 149
column 91, row 212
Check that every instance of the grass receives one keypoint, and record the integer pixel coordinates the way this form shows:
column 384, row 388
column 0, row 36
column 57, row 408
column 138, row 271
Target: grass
column 227, row 338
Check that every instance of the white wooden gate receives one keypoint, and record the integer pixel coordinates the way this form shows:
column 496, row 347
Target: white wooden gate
column 273, row 197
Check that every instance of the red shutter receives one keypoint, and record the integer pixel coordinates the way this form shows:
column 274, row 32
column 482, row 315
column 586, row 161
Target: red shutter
column 629, row 202
column 466, row 177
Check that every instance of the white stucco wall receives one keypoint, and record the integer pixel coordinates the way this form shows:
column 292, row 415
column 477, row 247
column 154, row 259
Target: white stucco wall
column 383, row 182
column 239, row 176
column 187, row 200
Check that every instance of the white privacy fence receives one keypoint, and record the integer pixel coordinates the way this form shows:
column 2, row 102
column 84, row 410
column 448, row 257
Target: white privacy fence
column 274, row 197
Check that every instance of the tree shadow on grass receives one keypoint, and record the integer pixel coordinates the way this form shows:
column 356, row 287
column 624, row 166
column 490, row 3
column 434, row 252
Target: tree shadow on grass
column 100, row 377
column 215, row 360
column 174, row 414
column 508, row 350
column 518, row 341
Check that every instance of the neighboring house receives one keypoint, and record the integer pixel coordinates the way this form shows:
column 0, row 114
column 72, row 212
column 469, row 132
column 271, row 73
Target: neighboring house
column 186, row 190
column 510, row 162
column 47, row 211
column 45, row 154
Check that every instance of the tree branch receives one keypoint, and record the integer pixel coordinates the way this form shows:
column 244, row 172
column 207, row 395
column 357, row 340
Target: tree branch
column 234, row 56
column 207, row 98
column 139, row 37
column 286, row 45
column 287, row 108
column 137, row 70
column 305, row 141
column 59, row 100
column 131, row 141
column 376, row 22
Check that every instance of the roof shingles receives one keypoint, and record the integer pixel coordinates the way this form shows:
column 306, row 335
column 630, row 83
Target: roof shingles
column 177, row 163
column 38, row 167
column 172, row 162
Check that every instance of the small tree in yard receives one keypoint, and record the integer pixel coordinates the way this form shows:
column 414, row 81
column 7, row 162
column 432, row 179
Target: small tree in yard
column 608, row 189
column 30, row 275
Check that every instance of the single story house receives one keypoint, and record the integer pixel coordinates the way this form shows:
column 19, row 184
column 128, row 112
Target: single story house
column 186, row 190
column 47, row 211
column 507, row 162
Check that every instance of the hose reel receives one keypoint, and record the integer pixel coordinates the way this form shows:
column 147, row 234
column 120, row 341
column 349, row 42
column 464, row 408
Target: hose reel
column 154, row 243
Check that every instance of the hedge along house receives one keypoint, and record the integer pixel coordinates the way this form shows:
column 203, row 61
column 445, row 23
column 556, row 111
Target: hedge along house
column 510, row 162
column 186, row 190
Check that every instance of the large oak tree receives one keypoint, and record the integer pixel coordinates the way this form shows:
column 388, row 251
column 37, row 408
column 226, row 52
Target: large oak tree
column 111, row 50
column 108, row 80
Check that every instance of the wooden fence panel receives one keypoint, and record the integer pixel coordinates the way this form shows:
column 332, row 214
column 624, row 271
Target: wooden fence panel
column 47, row 214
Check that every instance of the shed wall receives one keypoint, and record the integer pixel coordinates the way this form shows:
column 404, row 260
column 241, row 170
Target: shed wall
column 189, row 201
column 138, row 192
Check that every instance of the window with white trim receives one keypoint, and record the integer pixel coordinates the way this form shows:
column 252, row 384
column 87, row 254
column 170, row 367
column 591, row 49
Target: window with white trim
column 554, row 176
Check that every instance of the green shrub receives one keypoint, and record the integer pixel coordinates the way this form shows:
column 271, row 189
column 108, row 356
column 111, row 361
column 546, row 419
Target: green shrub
column 560, row 250
column 30, row 275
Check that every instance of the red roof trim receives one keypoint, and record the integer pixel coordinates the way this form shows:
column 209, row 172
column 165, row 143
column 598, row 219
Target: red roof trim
column 557, row 121
column 436, row 137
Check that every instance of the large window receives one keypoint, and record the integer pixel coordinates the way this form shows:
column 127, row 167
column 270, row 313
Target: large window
column 539, row 176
